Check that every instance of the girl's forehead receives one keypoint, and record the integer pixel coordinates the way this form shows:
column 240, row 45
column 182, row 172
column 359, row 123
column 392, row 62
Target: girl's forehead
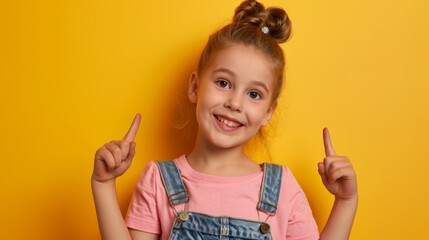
column 236, row 51
column 244, row 62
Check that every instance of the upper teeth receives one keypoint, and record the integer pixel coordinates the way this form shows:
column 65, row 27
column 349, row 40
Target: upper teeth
column 227, row 123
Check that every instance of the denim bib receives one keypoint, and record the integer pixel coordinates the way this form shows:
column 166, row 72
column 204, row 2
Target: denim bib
column 200, row 226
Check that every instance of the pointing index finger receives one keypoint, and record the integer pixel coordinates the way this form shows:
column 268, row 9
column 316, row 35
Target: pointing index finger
column 329, row 149
column 131, row 134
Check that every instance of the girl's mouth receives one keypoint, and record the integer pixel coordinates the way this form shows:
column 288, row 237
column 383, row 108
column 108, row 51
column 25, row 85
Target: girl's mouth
column 227, row 124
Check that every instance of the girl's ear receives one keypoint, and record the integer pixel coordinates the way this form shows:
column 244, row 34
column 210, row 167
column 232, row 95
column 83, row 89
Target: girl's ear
column 270, row 112
column 193, row 87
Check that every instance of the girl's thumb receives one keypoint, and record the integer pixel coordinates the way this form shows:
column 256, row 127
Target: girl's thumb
column 322, row 174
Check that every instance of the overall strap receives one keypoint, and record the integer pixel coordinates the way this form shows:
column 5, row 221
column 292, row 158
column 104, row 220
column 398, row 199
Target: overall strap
column 270, row 187
column 172, row 181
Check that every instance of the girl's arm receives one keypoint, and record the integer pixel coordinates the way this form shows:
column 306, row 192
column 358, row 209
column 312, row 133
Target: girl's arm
column 111, row 161
column 340, row 220
column 110, row 220
column 339, row 178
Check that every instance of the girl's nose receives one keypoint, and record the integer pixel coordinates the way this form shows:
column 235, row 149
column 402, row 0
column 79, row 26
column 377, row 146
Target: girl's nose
column 234, row 102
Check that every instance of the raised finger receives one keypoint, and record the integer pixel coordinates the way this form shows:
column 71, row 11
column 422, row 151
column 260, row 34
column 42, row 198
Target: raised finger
column 329, row 149
column 131, row 134
column 131, row 154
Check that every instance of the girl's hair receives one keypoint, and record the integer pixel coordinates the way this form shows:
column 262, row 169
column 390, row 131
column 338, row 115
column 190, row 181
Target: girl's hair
column 248, row 27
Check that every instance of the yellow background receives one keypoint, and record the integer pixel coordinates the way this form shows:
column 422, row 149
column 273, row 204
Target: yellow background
column 74, row 74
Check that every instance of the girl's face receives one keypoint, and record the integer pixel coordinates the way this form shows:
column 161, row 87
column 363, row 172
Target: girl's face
column 233, row 96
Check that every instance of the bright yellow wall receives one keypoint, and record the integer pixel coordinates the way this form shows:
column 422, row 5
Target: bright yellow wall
column 74, row 73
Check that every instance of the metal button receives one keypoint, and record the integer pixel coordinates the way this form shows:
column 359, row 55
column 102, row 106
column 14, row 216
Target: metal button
column 265, row 228
column 183, row 216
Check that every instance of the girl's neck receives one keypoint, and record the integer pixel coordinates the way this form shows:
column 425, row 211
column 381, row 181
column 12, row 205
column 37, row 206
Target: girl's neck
column 210, row 159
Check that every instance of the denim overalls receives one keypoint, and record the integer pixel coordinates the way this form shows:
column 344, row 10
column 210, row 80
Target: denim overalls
column 200, row 226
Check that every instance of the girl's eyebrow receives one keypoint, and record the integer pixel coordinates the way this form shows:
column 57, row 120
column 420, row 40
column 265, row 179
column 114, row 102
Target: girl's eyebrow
column 261, row 84
column 227, row 71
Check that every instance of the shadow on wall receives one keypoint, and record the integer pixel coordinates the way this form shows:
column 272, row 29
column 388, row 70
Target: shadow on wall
column 175, row 124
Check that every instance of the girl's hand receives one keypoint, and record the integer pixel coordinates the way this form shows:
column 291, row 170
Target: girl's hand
column 337, row 172
column 114, row 158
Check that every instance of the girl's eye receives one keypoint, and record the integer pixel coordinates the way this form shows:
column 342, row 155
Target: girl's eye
column 222, row 83
column 254, row 95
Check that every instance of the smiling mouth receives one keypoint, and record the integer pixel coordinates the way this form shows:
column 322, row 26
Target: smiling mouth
column 228, row 123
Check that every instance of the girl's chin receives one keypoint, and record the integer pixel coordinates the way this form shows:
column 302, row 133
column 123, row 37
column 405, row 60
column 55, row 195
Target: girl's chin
column 228, row 147
column 226, row 143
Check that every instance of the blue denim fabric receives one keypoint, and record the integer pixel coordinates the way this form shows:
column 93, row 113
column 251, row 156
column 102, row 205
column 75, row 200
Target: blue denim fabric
column 270, row 187
column 200, row 226
column 173, row 183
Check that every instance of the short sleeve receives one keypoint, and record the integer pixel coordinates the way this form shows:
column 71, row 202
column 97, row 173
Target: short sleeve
column 142, row 212
column 301, row 223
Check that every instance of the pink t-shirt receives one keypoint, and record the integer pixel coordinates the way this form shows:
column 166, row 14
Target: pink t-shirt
column 150, row 211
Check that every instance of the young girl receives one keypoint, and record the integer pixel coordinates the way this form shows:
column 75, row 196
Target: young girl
column 216, row 191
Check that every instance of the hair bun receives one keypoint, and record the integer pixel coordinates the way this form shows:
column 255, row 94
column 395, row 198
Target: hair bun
column 278, row 23
column 254, row 13
column 249, row 11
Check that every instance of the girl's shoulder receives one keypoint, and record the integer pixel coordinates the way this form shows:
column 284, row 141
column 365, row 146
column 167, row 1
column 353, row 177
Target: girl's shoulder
column 150, row 177
column 286, row 172
column 289, row 180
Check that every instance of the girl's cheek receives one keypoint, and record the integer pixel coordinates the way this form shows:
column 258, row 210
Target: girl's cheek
column 258, row 114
